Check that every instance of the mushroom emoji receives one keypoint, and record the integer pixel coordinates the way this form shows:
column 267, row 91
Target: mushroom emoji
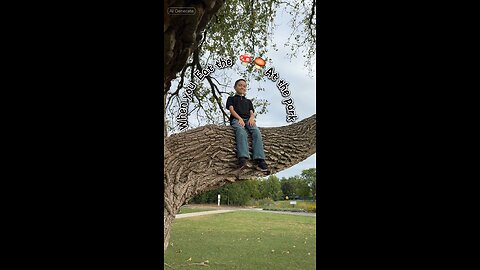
column 245, row 58
column 259, row 62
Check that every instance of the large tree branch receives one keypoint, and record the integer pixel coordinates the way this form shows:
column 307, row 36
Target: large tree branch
column 182, row 34
column 204, row 158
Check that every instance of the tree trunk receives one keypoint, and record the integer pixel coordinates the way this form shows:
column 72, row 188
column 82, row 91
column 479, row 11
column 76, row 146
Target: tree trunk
column 204, row 158
column 182, row 33
column 181, row 36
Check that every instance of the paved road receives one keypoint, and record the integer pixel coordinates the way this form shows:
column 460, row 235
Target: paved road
column 242, row 209
column 195, row 214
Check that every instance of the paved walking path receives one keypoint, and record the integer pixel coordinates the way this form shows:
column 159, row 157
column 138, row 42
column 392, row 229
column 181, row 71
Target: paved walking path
column 202, row 213
column 242, row 209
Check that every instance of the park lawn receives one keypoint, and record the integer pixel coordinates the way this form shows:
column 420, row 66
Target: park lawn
column 185, row 210
column 243, row 240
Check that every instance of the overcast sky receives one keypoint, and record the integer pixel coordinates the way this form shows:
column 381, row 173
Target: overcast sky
column 301, row 86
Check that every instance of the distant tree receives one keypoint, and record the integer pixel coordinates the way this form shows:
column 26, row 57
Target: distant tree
column 238, row 193
column 310, row 177
column 253, row 187
column 271, row 188
column 207, row 197
column 301, row 187
column 287, row 186
column 295, row 186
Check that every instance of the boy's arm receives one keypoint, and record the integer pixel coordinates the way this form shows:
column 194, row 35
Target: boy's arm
column 235, row 114
column 251, row 121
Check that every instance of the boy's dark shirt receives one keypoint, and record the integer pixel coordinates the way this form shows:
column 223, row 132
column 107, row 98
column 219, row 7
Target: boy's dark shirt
column 241, row 105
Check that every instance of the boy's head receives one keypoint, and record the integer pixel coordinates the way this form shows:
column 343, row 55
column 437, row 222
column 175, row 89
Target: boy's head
column 240, row 86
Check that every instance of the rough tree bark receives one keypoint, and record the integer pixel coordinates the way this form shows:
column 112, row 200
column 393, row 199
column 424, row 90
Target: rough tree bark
column 204, row 158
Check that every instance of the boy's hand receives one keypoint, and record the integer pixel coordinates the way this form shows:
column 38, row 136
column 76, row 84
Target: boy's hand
column 251, row 121
column 241, row 123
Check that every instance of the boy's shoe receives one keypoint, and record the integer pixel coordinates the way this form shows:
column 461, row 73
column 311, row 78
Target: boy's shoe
column 242, row 162
column 262, row 166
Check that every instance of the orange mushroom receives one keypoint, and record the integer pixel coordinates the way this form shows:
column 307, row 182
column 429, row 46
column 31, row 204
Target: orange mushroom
column 259, row 63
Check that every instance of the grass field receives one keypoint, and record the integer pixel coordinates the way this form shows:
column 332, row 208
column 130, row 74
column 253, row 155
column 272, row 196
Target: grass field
column 243, row 240
column 185, row 210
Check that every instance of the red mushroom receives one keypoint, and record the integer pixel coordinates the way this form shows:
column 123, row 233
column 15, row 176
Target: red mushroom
column 245, row 58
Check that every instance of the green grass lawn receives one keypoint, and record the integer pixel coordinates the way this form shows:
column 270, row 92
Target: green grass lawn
column 184, row 210
column 243, row 240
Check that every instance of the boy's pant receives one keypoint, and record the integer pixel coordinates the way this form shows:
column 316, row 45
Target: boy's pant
column 241, row 137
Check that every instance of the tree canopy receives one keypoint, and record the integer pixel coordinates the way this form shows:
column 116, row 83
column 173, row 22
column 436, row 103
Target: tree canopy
column 240, row 26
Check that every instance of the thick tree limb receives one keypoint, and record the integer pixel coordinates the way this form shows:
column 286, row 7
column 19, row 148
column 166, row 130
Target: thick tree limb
column 182, row 34
column 204, row 158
